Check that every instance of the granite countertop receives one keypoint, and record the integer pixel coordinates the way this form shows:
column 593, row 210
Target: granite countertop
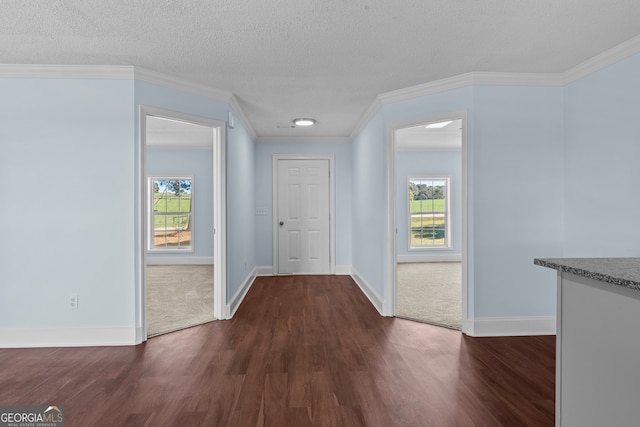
column 618, row 271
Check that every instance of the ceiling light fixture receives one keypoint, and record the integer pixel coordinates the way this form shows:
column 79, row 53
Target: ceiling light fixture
column 304, row 122
column 437, row 125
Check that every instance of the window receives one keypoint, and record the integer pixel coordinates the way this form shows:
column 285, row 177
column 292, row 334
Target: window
column 170, row 213
column 429, row 213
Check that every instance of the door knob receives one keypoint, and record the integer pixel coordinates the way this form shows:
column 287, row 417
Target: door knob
column 281, row 223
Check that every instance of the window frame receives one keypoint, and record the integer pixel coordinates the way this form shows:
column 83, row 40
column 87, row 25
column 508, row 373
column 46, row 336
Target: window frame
column 151, row 248
column 447, row 214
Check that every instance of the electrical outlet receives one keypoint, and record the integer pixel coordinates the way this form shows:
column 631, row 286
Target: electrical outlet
column 73, row 302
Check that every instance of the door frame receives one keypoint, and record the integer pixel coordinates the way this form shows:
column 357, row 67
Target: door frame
column 332, row 209
column 218, row 128
column 389, row 304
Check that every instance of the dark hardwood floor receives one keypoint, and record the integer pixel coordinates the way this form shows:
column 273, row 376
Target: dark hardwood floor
column 300, row 351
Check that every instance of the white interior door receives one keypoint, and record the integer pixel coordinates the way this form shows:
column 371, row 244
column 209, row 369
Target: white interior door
column 303, row 216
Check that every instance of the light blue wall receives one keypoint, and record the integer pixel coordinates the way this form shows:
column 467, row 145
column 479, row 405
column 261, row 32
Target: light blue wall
column 263, row 195
column 199, row 164
column 241, row 236
column 602, row 136
column 515, row 152
column 417, row 163
column 517, row 198
column 546, row 165
column 67, row 166
column 369, row 178
column 82, row 135
column 368, row 189
column 416, row 109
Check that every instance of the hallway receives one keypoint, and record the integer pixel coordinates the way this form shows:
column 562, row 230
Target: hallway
column 301, row 351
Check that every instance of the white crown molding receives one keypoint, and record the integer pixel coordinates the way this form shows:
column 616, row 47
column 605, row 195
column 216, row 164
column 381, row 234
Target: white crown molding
column 123, row 72
column 598, row 62
column 605, row 59
column 371, row 111
column 304, row 140
column 165, row 80
column 426, row 88
column 49, row 71
column 517, row 79
column 413, row 92
column 455, row 82
column 475, row 78
column 235, row 106
column 185, row 85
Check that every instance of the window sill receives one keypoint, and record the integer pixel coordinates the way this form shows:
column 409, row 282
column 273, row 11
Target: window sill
column 169, row 251
column 429, row 248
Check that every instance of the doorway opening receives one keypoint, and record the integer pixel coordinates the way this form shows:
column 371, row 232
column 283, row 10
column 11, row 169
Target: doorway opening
column 428, row 221
column 182, row 221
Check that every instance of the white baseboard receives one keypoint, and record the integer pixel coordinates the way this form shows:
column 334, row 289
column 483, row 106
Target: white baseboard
column 372, row 295
column 265, row 270
column 429, row 258
column 69, row 337
column 513, row 326
column 179, row 260
column 237, row 298
column 343, row 270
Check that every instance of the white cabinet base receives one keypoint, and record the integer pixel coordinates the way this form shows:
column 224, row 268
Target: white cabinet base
column 598, row 354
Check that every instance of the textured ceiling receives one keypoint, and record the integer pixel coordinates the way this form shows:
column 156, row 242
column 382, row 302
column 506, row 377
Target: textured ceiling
column 448, row 137
column 165, row 133
column 325, row 59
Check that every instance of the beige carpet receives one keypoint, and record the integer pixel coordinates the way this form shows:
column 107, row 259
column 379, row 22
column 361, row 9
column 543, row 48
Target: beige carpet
column 178, row 296
column 430, row 292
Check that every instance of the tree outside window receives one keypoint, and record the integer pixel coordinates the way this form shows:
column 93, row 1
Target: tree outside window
column 171, row 213
column 429, row 212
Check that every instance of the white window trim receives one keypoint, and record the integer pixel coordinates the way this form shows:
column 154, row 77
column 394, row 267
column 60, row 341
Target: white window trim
column 447, row 230
column 150, row 220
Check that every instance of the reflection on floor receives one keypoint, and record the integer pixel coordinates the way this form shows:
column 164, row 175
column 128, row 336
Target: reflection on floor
column 178, row 296
column 431, row 293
